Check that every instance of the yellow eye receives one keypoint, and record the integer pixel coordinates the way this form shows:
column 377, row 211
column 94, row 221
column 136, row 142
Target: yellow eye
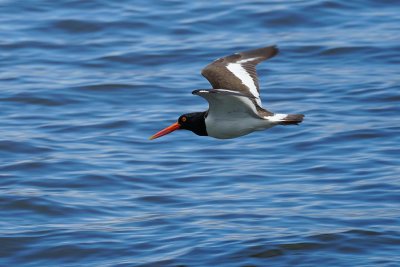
column 184, row 119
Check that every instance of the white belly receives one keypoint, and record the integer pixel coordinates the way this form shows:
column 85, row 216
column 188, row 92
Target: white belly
column 225, row 128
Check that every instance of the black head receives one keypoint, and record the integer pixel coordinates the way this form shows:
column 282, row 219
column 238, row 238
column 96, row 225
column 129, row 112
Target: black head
column 194, row 122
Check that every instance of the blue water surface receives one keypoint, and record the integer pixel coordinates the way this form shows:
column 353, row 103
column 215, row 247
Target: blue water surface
column 83, row 84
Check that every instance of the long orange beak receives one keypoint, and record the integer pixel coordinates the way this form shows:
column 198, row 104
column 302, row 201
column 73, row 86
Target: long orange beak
column 167, row 130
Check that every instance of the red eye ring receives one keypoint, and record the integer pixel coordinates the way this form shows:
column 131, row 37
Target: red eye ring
column 183, row 119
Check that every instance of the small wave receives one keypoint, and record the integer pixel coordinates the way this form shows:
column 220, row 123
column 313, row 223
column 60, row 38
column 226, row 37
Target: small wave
column 27, row 98
column 339, row 51
column 107, row 86
column 38, row 205
column 77, row 26
column 22, row 147
column 31, row 45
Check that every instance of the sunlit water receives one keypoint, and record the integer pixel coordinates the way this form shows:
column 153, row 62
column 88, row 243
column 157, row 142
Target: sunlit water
column 85, row 83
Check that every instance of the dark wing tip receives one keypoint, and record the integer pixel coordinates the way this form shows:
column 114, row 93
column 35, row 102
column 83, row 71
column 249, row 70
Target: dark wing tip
column 264, row 52
column 258, row 54
column 202, row 91
column 196, row 92
column 275, row 50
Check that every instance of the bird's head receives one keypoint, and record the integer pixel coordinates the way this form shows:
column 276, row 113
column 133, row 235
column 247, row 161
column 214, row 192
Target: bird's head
column 194, row 122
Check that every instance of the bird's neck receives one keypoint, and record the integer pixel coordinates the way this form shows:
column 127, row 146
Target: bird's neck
column 199, row 123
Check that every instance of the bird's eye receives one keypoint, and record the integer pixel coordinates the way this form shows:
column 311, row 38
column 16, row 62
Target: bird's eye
column 183, row 119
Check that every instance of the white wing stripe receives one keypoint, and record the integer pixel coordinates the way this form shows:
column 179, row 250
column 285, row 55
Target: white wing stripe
column 246, row 79
column 246, row 60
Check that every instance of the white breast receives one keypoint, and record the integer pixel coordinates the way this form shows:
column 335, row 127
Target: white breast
column 225, row 128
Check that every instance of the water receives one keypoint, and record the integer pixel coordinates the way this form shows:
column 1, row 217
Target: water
column 85, row 83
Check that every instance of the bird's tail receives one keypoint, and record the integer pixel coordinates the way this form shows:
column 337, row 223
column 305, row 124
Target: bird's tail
column 286, row 119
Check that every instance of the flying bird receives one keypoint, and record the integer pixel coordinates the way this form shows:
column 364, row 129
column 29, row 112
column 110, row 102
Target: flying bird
column 235, row 107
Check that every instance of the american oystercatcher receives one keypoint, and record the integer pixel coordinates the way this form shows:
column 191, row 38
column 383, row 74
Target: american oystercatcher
column 235, row 107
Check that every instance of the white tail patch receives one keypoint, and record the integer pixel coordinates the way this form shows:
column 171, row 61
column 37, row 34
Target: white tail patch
column 276, row 117
column 246, row 79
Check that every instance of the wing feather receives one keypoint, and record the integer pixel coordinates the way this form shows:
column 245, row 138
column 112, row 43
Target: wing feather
column 237, row 72
column 223, row 102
